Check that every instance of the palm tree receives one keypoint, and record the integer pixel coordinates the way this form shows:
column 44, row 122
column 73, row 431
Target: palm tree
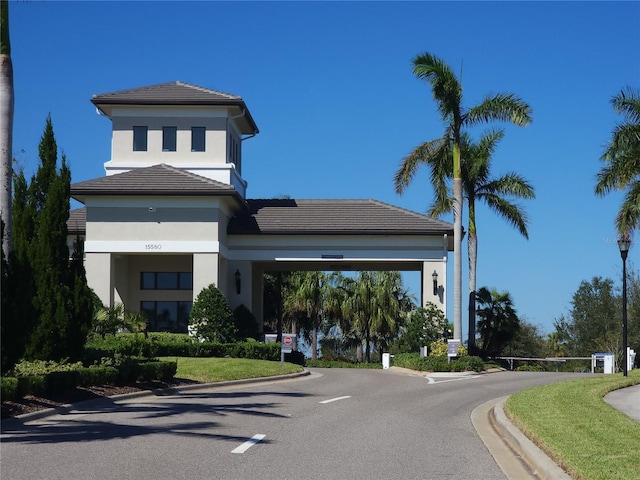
column 6, row 126
column 498, row 322
column 478, row 185
column 622, row 157
column 447, row 92
column 307, row 295
column 373, row 305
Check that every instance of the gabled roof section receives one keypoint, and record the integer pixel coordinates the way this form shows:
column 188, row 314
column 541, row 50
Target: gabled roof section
column 333, row 217
column 156, row 180
column 173, row 93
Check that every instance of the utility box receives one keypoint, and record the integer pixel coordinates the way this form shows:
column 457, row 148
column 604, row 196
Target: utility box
column 386, row 360
column 602, row 360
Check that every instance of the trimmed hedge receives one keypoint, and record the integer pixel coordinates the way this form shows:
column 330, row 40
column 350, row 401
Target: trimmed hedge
column 130, row 370
column 176, row 345
column 341, row 364
column 438, row 363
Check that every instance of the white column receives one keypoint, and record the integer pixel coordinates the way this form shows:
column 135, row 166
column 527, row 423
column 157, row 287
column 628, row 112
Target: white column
column 100, row 274
column 205, row 272
column 440, row 298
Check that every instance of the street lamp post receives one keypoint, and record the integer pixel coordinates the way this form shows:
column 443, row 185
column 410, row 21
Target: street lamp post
column 624, row 243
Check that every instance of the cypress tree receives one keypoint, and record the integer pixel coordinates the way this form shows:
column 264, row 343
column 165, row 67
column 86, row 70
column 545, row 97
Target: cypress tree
column 54, row 308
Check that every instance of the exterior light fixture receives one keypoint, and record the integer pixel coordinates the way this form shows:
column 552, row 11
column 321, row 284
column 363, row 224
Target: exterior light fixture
column 238, row 281
column 434, row 275
column 624, row 243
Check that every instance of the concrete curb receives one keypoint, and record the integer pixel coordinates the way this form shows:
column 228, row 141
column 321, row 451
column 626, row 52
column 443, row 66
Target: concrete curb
column 539, row 463
column 61, row 410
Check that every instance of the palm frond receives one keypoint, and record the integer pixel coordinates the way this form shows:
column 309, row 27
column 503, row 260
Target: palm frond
column 511, row 184
column 510, row 212
column 627, row 103
column 421, row 155
column 628, row 218
column 621, row 170
column 446, row 89
column 502, row 107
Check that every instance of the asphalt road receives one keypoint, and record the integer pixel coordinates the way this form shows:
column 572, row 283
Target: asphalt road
column 333, row 424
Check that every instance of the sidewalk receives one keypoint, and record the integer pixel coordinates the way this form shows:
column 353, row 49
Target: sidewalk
column 626, row 400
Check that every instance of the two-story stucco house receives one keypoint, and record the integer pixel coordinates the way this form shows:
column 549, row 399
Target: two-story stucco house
column 172, row 216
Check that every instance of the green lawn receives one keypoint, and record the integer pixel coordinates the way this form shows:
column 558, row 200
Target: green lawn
column 207, row 370
column 572, row 423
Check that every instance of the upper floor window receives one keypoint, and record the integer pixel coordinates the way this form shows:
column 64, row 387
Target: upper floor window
column 169, row 135
column 166, row 280
column 140, row 139
column 197, row 139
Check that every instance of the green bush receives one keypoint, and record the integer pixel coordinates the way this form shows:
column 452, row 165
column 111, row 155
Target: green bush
column 173, row 345
column 467, row 363
column 341, row 364
column 42, row 367
column 211, row 318
column 8, row 388
column 407, row 360
column 434, row 363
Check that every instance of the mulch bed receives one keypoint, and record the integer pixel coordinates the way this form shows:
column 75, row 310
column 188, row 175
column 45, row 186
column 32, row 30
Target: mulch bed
column 31, row 403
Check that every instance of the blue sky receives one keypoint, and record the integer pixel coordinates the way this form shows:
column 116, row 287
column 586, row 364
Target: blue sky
column 331, row 88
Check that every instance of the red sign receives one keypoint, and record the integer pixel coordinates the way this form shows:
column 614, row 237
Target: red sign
column 287, row 343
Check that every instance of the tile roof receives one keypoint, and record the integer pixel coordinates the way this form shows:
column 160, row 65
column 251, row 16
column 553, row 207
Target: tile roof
column 159, row 179
column 172, row 93
column 77, row 223
column 318, row 217
column 323, row 217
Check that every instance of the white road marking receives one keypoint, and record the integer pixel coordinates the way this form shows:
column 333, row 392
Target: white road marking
column 335, row 399
column 248, row 444
column 466, row 377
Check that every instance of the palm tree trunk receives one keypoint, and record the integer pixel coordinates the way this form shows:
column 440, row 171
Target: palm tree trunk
column 457, row 241
column 6, row 126
column 314, row 338
column 472, row 247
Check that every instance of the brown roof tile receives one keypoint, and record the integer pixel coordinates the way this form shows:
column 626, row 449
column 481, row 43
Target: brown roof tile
column 159, row 179
column 292, row 217
column 173, row 93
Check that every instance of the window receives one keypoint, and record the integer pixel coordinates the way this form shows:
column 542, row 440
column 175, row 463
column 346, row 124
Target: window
column 140, row 139
column 197, row 139
column 166, row 280
column 169, row 135
column 166, row 316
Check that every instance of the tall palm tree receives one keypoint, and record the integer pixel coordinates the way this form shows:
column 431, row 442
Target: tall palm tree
column 622, row 158
column 498, row 322
column 479, row 185
column 6, row 126
column 447, row 92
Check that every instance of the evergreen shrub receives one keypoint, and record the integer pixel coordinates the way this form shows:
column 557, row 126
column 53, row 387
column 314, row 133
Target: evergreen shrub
column 211, row 319
column 8, row 388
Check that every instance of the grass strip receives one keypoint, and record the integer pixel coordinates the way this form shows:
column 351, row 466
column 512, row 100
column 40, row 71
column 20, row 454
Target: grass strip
column 583, row 434
column 209, row 370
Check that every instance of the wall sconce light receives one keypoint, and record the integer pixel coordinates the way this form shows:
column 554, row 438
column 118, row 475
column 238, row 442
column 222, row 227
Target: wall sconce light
column 238, row 281
column 434, row 275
